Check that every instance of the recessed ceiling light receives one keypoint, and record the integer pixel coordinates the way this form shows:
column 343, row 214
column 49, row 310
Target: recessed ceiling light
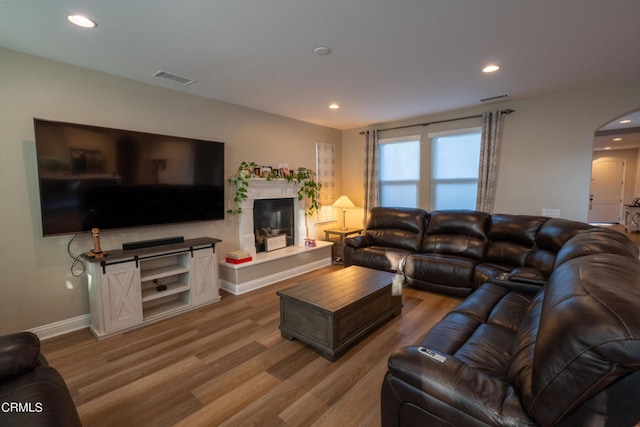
column 334, row 106
column 617, row 139
column 321, row 50
column 624, row 122
column 491, row 68
column 82, row 21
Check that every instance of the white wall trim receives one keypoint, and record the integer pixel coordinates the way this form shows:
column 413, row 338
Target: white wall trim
column 62, row 327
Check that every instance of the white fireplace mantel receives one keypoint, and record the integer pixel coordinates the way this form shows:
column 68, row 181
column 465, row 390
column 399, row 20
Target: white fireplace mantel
column 260, row 188
column 270, row 267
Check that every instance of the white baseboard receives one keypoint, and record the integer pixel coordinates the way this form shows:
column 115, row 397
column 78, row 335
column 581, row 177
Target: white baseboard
column 62, row 327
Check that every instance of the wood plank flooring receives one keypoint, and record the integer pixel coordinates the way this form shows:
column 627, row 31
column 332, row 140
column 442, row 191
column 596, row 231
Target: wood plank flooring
column 226, row 364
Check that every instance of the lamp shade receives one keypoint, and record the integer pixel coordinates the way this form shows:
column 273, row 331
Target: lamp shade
column 343, row 202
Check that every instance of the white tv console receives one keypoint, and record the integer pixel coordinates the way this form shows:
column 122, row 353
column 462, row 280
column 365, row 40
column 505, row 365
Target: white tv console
column 123, row 285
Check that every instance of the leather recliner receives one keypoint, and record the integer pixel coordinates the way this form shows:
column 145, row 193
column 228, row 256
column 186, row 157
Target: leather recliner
column 391, row 234
column 568, row 355
column 454, row 252
column 31, row 392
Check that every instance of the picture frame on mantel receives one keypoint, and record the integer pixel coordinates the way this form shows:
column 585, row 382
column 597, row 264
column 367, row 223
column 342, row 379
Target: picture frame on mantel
column 265, row 171
column 283, row 170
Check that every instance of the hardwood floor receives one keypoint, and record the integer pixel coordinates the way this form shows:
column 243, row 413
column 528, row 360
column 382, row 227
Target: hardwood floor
column 226, row 364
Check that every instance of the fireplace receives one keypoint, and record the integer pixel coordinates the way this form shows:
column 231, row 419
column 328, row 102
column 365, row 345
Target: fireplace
column 261, row 189
column 273, row 221
column 270, row 267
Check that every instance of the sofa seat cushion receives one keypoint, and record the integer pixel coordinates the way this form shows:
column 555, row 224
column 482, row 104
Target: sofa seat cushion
column 379, row 257
column 447, row 274
column 470, row 388
column 481, row 330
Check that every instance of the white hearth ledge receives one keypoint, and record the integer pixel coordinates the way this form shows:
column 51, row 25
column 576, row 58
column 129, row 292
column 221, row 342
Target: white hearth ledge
column 267, row 268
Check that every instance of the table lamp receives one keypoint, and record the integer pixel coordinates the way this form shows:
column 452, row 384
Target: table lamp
column 344, row 203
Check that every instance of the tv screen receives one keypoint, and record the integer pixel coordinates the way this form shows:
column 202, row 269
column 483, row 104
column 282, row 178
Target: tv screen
column 92, row 176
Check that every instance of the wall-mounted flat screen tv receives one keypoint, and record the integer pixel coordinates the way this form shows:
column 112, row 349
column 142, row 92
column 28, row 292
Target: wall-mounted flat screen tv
column 92, row 176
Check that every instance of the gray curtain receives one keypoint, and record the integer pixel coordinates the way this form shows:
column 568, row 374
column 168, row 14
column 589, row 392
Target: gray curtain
column 489, row 159
column 371, row 191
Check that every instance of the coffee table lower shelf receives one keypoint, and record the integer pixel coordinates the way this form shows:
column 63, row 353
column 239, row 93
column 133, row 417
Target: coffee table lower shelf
column 332, row 312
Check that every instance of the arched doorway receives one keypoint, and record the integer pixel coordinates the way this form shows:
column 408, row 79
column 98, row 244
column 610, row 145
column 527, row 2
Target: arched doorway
column 615, row 174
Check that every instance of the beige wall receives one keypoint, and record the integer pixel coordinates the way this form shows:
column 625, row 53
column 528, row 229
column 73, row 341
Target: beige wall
column 36, row 285
column 546, row 153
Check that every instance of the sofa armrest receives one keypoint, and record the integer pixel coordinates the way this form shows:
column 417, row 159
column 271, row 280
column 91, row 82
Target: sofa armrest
column 361, row 241
column 457, row 392
column 528, row 275
column 521, row 279
column 19, row 353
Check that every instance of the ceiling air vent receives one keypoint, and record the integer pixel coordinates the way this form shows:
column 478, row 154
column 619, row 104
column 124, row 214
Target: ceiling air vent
column 494, row 98
column 176, row 78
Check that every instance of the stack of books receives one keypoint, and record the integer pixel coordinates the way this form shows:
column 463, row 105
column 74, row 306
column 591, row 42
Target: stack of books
column 238, row 257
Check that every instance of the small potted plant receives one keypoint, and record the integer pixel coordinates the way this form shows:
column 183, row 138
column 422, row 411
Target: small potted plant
column 241, row 181
column 309, row 190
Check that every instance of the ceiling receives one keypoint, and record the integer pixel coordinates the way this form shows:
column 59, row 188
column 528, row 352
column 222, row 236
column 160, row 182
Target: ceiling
column 619, row 136
column 389, row 60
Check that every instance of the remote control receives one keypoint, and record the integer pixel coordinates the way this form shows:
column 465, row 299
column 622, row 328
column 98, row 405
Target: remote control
column 432, row 354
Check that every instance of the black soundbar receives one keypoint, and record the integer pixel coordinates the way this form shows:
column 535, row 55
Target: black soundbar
column 151, row 243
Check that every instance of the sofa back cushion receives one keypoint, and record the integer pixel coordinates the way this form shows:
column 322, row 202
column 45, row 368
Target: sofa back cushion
column 596, row 241
column 396, row 227
column 586, row 333
column 553, row 234
column 511, row 238
column 457, row 232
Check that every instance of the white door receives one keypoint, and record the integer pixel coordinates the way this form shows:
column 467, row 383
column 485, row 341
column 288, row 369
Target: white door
column 607, row 188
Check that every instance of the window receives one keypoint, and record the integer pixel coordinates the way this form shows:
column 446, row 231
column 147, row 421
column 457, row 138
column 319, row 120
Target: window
column 454, row 170
column 399, row 172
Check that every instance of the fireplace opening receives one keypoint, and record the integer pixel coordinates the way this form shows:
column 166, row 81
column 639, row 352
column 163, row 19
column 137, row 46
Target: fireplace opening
column 273, row 223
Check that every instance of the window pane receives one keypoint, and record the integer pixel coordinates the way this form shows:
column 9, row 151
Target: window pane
column 399, row 195
column 456, row 156
column 454, row 174
column 399, row 161
column 455, row 195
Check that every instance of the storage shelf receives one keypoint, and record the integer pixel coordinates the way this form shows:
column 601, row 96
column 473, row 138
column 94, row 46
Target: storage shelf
column 159, row 273
column 122, row 292
column 162, row 310
column 150, row 293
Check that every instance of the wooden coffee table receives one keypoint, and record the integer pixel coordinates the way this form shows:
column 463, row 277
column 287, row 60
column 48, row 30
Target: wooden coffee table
column 333, row 311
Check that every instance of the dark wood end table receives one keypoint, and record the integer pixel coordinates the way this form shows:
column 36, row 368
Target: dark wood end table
column 337, row 250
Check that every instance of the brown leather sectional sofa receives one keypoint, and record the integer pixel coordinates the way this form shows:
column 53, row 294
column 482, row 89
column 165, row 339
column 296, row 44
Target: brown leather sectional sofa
column 31, row 392
column 549, row 331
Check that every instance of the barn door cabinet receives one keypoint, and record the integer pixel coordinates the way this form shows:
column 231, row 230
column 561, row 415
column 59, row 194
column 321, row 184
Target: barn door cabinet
column 128, row 289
